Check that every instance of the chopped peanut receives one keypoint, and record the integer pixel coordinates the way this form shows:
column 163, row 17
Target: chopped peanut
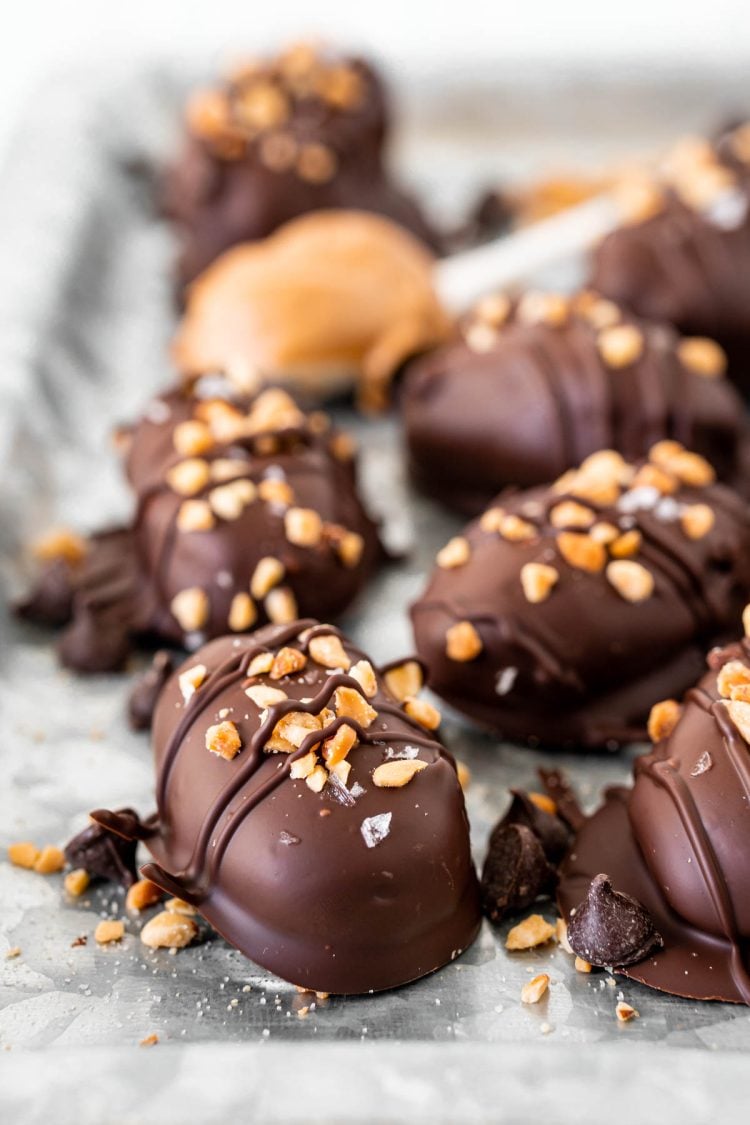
column 190, row 609
column 192, row 438
column 492, row 519
column 739, row 713
column 620, row 345
column 224, row 739
column 291, row 731
column 581, row 551
column 395, row 774
column 746, row 621
column 364, row 674
column 543, row 802
column 582, row 966
column 349, row 549
column 537, row 580
column 264, row 696
column 626, row 545
column 60, row 543
column 336, row 748
column 304, row 766
column 267, row 574
column 150, row 1040
column 631, row 580
column 662, row 719
column 328, row 651
column 281, row 605
column 195, row 515
column 605, row 533
column 260, row 664
column 532, row 931
column 455, row 553
column 462, row 642
column 23, row 854
column 731, row 675
column 569, row 513
column 534, row 989
column 227, row 468
column 697, row 520
column 49, row 861
column 141, row 895
column 286, row 662
column 351, row 704
column 188, row 477
column 423, row 713
column 317, row 779
column 656, row 476
column 228, row 501
column 276, row 492
column 303, row 527
column 692, row 469
column 109, row 931
column 464, row 775
column 625, row 1012
column 191, row 679
column 179, row 906
column 169, row 930
column 242, row 613
column 702, row 356
column 516, row 530
column 407, row 679
column 561, row 934
column 76, row 882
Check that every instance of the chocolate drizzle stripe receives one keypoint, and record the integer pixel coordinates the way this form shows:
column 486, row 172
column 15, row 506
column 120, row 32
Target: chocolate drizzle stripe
column 664, row 774
column 539, row 356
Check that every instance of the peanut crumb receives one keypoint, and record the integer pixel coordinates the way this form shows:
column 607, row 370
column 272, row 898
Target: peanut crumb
column 625, row 1012
column 141, row 895
column 76, row 882
column 224, row 739
column 462, row 642
column 169, row 930
column 532, row 931
column 394, row 775
column 631, row 580
column 407, row 679
column 109, row 931
column 534, row 989
column 50, row 860
column 423, row 713
column 662, row 719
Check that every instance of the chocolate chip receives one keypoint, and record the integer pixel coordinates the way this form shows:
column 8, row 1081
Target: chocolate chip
column 611, row 928
column 143, row 697
column 103, row 854
column 549, row 829
column 51, row 599
column 515, row 872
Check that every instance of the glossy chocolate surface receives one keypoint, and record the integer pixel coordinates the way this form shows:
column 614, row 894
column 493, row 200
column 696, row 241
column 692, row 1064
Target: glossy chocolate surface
column 518, row 403
column 350, row 889
column 583, row 664
column 678, row 842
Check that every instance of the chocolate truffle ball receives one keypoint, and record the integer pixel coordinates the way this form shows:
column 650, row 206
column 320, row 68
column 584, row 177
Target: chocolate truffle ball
column 247, row 511
column 563, row 613
column 537, row 385
column 301, row 132
column 331, row 301
column 307, row 810
column 678, row 841
column 683, row 251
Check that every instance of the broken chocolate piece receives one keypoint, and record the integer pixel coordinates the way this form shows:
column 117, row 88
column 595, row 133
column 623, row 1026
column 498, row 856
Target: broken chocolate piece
column 103, row 854
column 611, row 928
column 50, row 602
column 515, row 872
column 143, row 697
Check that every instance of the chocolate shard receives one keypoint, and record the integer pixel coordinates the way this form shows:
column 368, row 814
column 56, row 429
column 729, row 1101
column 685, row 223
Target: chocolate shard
column 515, row 872
column 50, row 601
column 95, row 642
column 143, row 697
column 548, row 828
column 103, row 854
column 611, row 928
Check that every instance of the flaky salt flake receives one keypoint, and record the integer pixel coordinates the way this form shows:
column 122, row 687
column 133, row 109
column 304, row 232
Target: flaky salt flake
column 288, row 838
column 703, row 765
column 374, row 829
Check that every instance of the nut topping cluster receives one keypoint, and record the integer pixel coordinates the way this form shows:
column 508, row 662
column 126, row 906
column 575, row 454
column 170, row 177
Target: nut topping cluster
column 320, row 744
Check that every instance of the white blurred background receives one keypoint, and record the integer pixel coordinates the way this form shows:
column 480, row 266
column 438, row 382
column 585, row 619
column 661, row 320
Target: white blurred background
column 45, row 37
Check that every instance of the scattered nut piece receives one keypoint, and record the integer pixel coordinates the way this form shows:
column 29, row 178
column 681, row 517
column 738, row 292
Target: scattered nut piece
column 730, row 676
column 493, row 309
column 407, row 679
column 561, row 934
column 692, row 469
column 179, row 906
column 351, row 704
column 702, row 356
column 364, row 673
column 350, row 548
column 662, row 719
column 12, row 953
column 291, row 731
column 568, row 513
column 267, row 574
column 534, row 989
column 739, row 713
column 631, row 580
column 656, row 476
column 423, row 713
column 150, row 1040
column 620, row 345
column 141, row 895
column 190, row 609
column 317, row 780
column 625, row 1012
column 169, row 930
column 480, row 337
column 260, row 664
column 543, row 802
column 76, row 882
column 543, row 308
column 281, row 606
column 109, row 931
column 697, row 520
column 604, row 532
column 24, row 854
column 455, row 553
column 242, row 613
column 195, row 515
column 492, row 519
column 626, row 545
column 227, row 468
column 316, row 163
column 336, row 748
column 224, row 739
column 582, row 966
column 516, row 530
column 286, row 662
column 537, row 580
column 532, row 931
column 229, row 501
column 328, row 651
column 192, row 438
column 49, row 861
column 394, row 775
column 274, row 491
column 462, row 642
column 303, row 527
column 188, row 477
column 191, row 679
column 304, row 766
column 581, row 551
column 464, row 775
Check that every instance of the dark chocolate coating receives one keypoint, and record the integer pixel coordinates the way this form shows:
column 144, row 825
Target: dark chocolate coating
column 285, row 873
column 219, row 198
column 689, row 265
column 124, row 588
column 584, row 666
column 541, row 399
column 678, row 842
